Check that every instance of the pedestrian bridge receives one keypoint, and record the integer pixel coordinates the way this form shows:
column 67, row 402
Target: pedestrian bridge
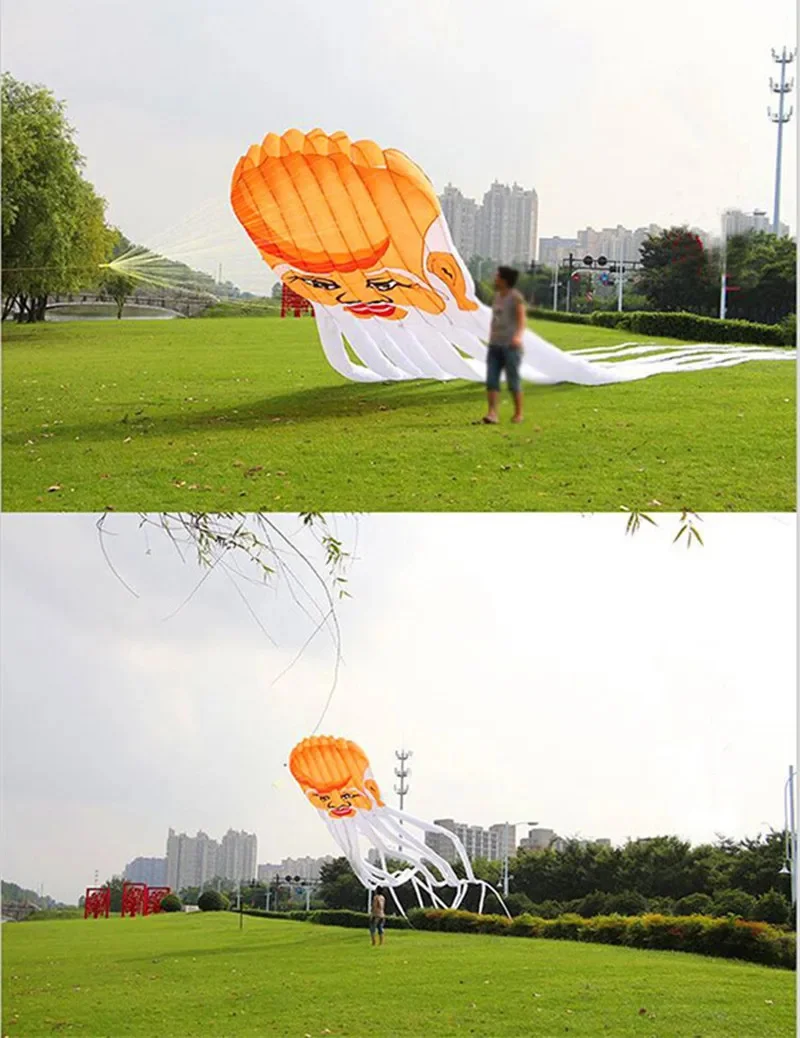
column 69, row 305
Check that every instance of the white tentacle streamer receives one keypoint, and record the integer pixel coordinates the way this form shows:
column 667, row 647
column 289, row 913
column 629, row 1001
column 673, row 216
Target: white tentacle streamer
column 424, row 345
column 399, row 836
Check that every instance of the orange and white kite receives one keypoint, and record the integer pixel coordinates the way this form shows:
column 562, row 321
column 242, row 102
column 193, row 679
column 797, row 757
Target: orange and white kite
column 336, row 779
column 358, row 231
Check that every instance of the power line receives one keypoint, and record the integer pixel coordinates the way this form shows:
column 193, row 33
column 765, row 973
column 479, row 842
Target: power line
column 780, row 118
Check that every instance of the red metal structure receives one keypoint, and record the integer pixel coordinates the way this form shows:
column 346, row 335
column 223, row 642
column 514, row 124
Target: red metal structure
column 292, row 301
column 97, row 902
column 153, row 898
column 134, row 899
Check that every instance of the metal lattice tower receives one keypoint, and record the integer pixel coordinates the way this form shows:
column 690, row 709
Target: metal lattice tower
column 402, row 772
column 781, row 117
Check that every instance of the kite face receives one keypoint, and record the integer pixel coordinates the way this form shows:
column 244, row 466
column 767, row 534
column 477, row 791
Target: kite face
column 336, row 779
column 347, row 225
column 358, row 231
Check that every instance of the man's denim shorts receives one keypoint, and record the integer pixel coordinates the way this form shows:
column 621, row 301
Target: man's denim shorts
column 376, row 925
column 500, row 358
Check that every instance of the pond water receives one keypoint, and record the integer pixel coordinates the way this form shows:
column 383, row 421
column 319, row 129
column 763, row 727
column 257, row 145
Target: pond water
column 107, row 312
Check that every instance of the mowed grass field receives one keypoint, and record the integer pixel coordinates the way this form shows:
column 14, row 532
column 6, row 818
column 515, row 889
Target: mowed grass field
column 199, row 975
column 244, row 414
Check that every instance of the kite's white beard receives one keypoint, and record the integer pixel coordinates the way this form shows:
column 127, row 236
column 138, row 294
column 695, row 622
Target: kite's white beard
column 453, row 345
column 401, row 837
column 423, row 346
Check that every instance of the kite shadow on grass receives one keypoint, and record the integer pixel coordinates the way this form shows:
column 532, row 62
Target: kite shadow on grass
column 301, row 407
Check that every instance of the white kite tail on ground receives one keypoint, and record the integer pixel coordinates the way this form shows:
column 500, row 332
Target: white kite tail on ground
column 452, row 345
column 400, row 837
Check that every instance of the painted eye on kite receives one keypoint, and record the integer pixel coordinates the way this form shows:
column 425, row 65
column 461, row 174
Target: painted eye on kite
column 384, row 286
column 329, row 286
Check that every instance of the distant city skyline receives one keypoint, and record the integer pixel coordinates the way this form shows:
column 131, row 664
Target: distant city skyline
column 503, row 227
column 602, row 146
column 192, row 861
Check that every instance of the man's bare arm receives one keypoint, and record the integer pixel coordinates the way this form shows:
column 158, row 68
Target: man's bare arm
column 522, row 324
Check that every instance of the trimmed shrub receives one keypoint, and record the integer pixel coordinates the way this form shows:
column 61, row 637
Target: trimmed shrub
column 682, row 326
column 728, row 938
column 734, row 902
column 212, row 901
column 772, row 907
column 519, row 904
column 539, row 314
column 595, row 903
column 627, row 902
column 548, row 909
column 789, row 325
column 694, row 904
column 171, row 903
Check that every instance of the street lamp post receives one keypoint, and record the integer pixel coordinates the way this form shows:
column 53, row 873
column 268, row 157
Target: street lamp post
column 508, row 826
column 790, row 834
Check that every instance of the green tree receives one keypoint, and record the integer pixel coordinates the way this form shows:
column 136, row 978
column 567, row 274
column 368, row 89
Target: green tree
column 339, row 887
column 212, row 901
column 772, row 907
column 762, row 271
column 695, row 904
column 114, row 283
column 54, row 235
column 676, row 272
column 754, row 865
column 734, row 902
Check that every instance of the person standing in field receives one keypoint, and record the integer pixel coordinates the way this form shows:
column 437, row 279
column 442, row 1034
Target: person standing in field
column 505, row 343
column 377, row 917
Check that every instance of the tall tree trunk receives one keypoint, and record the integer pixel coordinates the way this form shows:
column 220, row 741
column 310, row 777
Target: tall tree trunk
column 22, row 308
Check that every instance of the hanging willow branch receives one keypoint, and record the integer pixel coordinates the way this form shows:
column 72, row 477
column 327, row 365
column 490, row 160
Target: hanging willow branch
column 224, row 541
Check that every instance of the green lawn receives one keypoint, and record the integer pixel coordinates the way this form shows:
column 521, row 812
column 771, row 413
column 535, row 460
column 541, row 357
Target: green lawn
column 245, row 414
column 199, row 975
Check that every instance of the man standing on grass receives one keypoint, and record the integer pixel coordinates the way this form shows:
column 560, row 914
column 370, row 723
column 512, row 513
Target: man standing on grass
column 505, row 343
column 377, row 916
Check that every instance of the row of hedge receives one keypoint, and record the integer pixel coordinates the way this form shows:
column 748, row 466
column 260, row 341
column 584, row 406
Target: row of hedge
column 331, row 917
column 684, row 326
column 729, row 937
column 771, row 907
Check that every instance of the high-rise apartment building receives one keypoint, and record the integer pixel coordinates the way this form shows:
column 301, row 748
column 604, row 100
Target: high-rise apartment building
column 734, row 222
column 461, row 215
column 237, row 857
column 193, row 861
column 504, row 228
column 152, row 871
column 477, row 841
column 306, row 868
column 553, row 250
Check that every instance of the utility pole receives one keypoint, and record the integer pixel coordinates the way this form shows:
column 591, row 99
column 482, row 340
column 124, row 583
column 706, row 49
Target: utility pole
column 620, row 272
column 790, row 834
column 402, row 772
column 780, row 118
column 569, row 280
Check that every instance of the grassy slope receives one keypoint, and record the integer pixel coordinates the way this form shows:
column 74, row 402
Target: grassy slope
column 198, row 975
column 246, row 414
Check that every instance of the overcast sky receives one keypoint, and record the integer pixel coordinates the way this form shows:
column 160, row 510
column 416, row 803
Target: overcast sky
column 544, row 668
column 626, row 112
